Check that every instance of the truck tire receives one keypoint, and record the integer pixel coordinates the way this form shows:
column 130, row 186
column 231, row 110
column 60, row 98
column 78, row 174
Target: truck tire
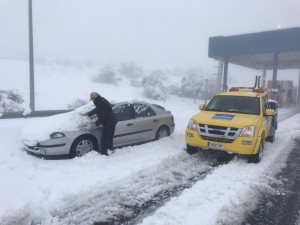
column 257, row 157
column 271, row 137
column 190, row 149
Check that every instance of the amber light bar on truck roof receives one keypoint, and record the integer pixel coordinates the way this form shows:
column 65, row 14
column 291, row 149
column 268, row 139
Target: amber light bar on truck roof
column 244, row 89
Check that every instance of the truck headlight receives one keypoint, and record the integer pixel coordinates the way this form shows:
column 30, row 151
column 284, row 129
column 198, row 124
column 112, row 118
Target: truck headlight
column 248, row 131
column 192, row 125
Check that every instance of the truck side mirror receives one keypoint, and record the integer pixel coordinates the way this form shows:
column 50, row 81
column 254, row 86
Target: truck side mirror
column 202, row 106
column 270, row 112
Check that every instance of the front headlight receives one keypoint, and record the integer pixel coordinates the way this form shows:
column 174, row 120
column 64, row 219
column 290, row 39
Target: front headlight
column 192, row 125
column 248, row 131
column 57, row 135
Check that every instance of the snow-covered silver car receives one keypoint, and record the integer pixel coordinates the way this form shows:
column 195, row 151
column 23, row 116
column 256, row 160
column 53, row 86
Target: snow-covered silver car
column 73, row 134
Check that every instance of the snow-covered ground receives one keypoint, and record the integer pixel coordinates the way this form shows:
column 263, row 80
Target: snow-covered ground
column 34, row 190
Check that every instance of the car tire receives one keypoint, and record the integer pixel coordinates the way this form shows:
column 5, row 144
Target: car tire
column 191, row 150
column 82, row 145
column 162, row 132
column 257, row 157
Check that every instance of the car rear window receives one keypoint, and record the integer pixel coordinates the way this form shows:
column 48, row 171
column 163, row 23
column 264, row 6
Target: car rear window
column 158, row 106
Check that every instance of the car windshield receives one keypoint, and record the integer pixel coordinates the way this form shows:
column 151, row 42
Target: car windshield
column 235, row 104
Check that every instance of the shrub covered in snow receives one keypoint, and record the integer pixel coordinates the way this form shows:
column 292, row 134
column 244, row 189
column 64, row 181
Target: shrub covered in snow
column 133, row 72
column 106, row 75
column 15, row 96
column 77, row 103
column 174, row 89
column 192, row 86
column 11, row 101
column 153, row 86
column 130, row 70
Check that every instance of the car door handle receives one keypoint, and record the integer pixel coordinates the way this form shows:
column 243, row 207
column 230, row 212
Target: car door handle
column 155, row 120
column 129, row 124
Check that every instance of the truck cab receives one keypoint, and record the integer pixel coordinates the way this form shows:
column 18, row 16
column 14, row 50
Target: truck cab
column 238, row 121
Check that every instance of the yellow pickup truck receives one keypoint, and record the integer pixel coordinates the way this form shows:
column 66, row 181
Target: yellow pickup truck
column 238, row 121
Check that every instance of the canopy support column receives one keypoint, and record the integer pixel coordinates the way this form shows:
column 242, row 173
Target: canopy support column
column 298, row 97
column 274, row 77
column 264, row 75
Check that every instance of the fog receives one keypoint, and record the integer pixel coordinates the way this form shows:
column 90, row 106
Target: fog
column 152, row 33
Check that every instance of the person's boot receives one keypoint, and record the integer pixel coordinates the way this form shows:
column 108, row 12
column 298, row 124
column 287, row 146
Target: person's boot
column 104, row 153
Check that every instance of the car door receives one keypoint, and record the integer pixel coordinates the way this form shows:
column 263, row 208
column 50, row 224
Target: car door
column 124, row 132
column 145, row 121
column 136, row 123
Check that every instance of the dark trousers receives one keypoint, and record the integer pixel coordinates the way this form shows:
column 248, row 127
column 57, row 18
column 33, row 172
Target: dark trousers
column 107, row 138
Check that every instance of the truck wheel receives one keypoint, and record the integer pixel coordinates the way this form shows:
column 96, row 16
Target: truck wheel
column 191, row 150
column 272, row 138
column 257, row 157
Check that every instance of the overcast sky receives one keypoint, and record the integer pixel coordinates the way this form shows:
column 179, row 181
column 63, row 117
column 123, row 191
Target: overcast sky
column 152, row 33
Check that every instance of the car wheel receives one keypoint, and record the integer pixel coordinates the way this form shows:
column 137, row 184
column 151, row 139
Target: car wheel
column 81, row 146
column 191, row 150
column 162, row 132
column 257, row 157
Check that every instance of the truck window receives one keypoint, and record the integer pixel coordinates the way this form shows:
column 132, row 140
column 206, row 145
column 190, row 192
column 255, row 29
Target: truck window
column 237, row 104
column 265, row 105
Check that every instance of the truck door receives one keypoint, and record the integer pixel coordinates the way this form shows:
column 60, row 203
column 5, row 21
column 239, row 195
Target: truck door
column 268, row 119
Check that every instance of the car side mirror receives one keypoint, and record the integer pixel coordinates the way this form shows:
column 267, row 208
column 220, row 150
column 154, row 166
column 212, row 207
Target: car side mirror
column 270, row 112
column 202, row 106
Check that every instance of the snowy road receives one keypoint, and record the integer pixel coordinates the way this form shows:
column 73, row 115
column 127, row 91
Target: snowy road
column 136, row 197
column 140, row 184
column 282, row 205
column 147, row 190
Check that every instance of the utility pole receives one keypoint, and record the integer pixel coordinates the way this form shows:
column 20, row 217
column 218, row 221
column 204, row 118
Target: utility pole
column 31, row 60
column 219, row 76
column 298, row 88
column 206, row 80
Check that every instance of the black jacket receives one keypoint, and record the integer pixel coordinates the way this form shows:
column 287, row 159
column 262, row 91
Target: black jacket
column 104, row 112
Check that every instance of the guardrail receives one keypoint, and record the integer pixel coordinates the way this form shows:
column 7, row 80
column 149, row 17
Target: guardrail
column 41, row 113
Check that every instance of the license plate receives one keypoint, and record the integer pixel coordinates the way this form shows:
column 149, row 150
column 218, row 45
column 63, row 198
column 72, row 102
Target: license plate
column 214, row 145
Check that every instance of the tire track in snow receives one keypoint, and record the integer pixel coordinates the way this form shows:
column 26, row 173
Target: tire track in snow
column 145, row 193
column 282, row 206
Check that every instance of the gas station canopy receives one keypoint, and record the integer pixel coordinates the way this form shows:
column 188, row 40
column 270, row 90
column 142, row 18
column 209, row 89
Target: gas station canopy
column 257, row 50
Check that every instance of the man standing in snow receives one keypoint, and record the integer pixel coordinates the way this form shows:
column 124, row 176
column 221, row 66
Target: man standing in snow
column 107, row 118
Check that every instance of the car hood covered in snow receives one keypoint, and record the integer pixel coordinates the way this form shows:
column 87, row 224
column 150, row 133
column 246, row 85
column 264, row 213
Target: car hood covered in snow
column 39, row 129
